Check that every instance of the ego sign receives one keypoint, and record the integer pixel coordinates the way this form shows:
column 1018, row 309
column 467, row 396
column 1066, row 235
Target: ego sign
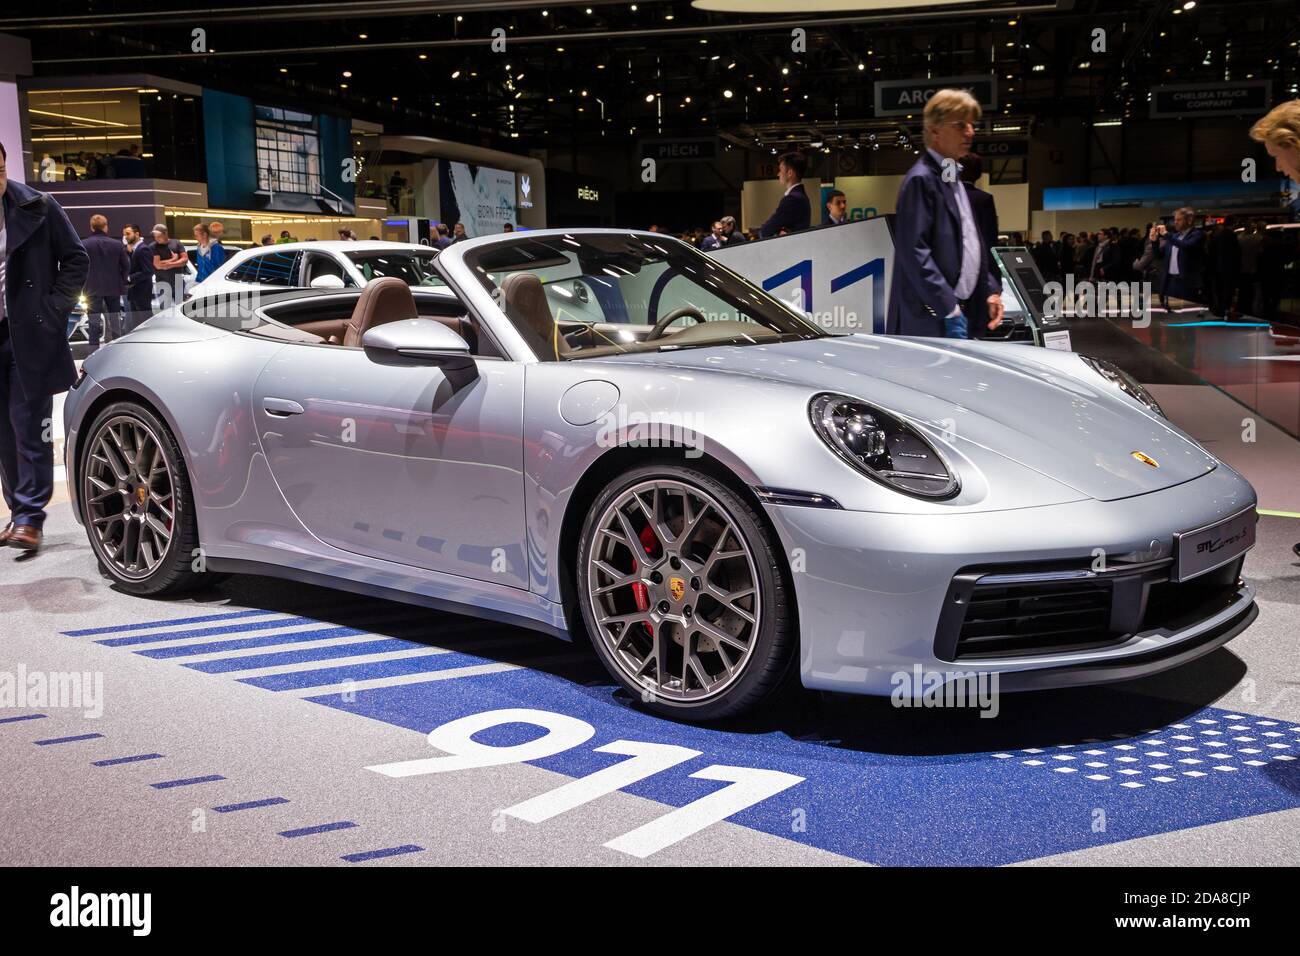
column 745, row 786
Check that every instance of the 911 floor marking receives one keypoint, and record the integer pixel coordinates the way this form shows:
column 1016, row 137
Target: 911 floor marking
column 748, row 786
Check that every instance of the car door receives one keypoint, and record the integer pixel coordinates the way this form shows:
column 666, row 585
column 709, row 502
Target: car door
column 395, row 462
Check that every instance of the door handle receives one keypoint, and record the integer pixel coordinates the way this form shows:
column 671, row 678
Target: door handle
column 281, row 407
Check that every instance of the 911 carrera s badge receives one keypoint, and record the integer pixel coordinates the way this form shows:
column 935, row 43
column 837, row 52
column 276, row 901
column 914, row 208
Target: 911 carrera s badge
column 676, row 587
column 1145, row 459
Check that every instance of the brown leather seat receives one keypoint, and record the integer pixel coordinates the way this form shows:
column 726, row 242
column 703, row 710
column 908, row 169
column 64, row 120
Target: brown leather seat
column 526, row 306
column 382, row 300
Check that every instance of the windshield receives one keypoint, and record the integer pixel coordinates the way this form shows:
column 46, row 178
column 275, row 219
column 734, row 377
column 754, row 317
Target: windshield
column 584, row 295
column 413, row 268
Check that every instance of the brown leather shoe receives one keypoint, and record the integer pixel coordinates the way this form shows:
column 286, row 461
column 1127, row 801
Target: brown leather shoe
column 6, row 534
column 25, row 537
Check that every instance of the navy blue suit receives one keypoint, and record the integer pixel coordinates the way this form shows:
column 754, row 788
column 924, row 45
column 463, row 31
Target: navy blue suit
column 44, row 272
column 985, row 211
column 927, row 254
column 792, row 214
column 1191, row 264
column 109, row 265
column 139, row 288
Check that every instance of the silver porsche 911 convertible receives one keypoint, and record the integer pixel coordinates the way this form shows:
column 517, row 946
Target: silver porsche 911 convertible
column 609, row 434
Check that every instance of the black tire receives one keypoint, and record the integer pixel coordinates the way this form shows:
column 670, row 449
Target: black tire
column 773, row 659
column 173, row 573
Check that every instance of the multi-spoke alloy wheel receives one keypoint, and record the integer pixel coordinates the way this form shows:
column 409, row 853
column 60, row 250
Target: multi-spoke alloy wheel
column 135, row 500
column 676, row 596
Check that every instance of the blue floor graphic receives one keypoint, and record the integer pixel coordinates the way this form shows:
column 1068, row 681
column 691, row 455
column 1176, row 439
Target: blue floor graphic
column 880, row 785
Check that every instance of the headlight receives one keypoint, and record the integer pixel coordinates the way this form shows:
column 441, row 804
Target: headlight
column 1125, row 382
column 882, row 446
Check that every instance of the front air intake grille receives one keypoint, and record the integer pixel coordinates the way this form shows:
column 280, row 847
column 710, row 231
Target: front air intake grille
column 1023, row 611
column 1014, row 619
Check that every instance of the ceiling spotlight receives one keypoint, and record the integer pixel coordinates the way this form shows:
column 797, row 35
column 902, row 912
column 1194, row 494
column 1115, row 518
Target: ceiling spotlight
column 347, row 73
column 362, row 36
column 862, row 66
column 455, row 74
column 649, row 97
column 728, row 94
column 283, row 70
column 424, row 56
column 1189, row 5
column 785, row 71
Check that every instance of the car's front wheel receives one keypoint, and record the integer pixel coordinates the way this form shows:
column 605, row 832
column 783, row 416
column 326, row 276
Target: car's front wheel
column 683, row 594
column 136, row 503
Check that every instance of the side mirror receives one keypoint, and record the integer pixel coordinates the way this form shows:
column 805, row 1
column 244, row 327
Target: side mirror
column 327, row 282
column 419, row 340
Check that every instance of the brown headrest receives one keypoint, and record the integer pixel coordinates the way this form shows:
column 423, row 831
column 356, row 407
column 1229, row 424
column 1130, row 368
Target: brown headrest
column 382, row 300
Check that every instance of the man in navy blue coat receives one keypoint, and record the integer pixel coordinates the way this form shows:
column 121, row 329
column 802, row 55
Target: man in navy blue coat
column 106, row 282
column 1183, row 251
column 42, row 270
column 939, row 255
column 793, row 213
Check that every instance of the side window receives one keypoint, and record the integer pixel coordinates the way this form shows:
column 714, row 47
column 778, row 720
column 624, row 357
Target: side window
column 246, row 271
column 278, row 268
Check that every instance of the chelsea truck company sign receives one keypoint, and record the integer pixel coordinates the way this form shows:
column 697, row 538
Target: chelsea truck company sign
column 901, row 97
column 1211, row 99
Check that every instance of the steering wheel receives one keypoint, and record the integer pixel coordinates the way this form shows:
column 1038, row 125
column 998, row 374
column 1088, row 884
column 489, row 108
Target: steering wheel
column 685, row 311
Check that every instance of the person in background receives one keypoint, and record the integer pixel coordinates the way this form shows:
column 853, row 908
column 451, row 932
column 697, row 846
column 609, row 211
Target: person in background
column 985, row 211
column 169, row 260
column 458, row 233
column 837, row 208
column 139, row 284
column 714, row 239
column 793, row 213
column 1250, row 242
column 1065, row 255
column 444, row 236
column 1045, row 257
column 653, row 228
column 130, row 238
column 939, row 265
column 205, row 262
column 508, row 227
column 1108, row 262
column 105, row 282
column 730, row 234
column 1084, row 250
column 217, row 230
column 284, row 237
column 347, row 235
column 267, row 240
column 1223, row 266
column 43, row 267
column 1183, row 252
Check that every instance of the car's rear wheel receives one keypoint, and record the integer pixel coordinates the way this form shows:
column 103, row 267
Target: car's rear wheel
column 683, row 594
column 136, row 502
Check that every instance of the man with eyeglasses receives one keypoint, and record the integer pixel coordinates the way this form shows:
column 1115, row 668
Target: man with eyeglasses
column 941, row 267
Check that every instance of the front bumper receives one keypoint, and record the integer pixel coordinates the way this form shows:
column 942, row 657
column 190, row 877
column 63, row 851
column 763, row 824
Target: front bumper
column 872, row 588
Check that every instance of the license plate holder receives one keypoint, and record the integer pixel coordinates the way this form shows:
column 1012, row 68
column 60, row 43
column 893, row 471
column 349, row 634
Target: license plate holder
column 1201, row 551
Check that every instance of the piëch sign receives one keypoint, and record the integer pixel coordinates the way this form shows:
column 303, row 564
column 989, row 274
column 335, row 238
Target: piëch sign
column 1211, row 99
column 901, row 97
column 701, row 149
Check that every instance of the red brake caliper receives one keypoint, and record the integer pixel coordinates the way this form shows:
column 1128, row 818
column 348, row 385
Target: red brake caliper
column 639, row 591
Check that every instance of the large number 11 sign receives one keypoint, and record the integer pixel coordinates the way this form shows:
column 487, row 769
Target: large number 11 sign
column 803, row 271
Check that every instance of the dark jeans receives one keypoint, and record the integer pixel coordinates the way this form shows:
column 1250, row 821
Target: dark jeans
column 26, row 457
column 103, row 315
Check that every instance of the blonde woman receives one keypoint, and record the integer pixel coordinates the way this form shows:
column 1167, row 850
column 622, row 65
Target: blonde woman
column 1279, row 131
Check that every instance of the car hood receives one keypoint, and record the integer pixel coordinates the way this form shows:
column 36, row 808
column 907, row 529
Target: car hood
column 1076, row 429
